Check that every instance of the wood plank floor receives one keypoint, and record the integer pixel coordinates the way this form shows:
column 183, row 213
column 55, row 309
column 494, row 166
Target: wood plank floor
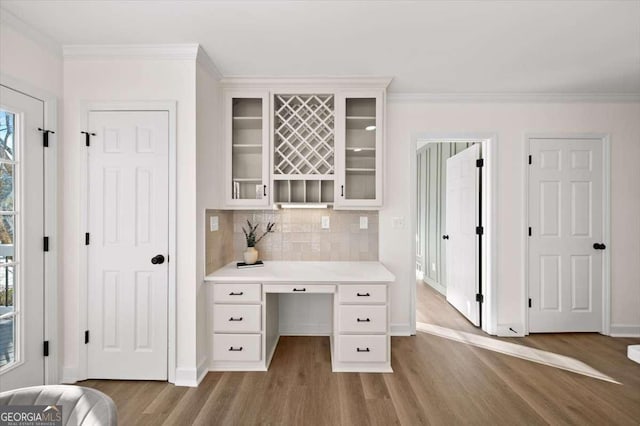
column 436, row 381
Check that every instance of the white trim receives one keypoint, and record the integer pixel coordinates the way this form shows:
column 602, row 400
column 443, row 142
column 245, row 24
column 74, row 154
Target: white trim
column 85, row 108
column 315, row 83
column 23, row 28
column 435, row 285
column 204, row 59
column 606, row 219
column 490, row 279
column 625, row 330
column 401, row 329
column 51, row 331
column 514, row 97
column 182, row 51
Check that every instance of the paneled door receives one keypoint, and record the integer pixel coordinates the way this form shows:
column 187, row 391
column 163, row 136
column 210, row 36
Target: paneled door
column 21, row 240
column 462, row 248
column 128, row 244
column 566, row 246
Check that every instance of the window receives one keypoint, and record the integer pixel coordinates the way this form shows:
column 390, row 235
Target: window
column 9, row 218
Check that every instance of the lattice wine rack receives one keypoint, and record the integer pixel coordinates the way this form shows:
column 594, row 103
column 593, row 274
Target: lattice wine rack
column 303, row 135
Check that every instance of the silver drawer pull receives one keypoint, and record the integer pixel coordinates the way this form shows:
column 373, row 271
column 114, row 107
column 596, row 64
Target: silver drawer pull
column 363, row 294
column 364, row 320
column 232, row 349
column 235, row 319
column 236, row 294
column 363, row 350
column 299, row 289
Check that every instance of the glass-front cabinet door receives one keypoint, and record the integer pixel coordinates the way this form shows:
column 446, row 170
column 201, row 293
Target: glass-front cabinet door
column 359, row 149
column 247, row 148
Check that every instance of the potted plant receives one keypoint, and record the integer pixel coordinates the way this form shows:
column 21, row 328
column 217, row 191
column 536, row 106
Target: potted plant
column 251, row 254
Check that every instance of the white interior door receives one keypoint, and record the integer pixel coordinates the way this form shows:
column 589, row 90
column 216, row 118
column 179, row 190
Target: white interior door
column 128, row 224
column 566, row 219
column 462, row 257
column 21, row 240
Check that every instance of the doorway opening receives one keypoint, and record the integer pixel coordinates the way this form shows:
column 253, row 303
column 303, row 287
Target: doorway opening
column 453, row 228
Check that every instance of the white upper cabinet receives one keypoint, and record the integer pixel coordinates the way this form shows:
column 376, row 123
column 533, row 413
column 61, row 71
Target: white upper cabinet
column 307, row 143
column 359, row 131
column 247, row 148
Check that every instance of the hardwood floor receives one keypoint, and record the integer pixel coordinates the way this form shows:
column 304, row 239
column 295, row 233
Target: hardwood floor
column 435, row 381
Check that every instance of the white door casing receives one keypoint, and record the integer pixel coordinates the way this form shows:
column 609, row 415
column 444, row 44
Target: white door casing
column 28, row 254
column 128, row 225
column 566, row 182
column 462, row 254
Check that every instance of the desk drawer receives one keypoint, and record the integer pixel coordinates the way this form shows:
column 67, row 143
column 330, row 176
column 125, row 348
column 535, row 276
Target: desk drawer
column 237, row 293
column 363, row 319
column 363, row 348
column 236, row 347
column 237, row 318
column 363, row 293
column 299, row 288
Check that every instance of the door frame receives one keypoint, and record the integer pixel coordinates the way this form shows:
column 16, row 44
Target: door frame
column 489, row 142
column 101, row 106
column 51, row 331
column 606, row 219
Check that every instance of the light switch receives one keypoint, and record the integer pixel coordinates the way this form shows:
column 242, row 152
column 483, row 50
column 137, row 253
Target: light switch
column 213, row 223
column 325, row 222
column 397, row 222
column 364, row 222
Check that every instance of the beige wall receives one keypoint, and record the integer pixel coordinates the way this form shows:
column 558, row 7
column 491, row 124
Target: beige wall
column 219, row 244
column 298, row 236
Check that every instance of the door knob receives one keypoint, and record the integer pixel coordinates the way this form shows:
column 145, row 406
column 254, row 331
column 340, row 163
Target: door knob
column 599, row 246
column 445, row 237
column 157, row 259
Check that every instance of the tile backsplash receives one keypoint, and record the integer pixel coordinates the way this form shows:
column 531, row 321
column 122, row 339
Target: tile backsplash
column 298, row 235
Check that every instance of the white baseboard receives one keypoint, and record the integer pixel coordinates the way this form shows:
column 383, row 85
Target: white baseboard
column 436, row 286
column 203, row 369
column 624, row 330
column 306, row 329
column 187, row 377
column 510, row 330
column 69, row 375
column 400, row 329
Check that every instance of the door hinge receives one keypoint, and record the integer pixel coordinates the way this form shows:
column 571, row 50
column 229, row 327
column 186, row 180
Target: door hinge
column 529, row 231
column 480, row 162
column 86, row 239
column 480, row 298
column 530, row 159
column 479, row 230
column 45, row 136
column 45, row 348
column 529, row 302
column 87, row 135
column 46, row 244
column 86, row 337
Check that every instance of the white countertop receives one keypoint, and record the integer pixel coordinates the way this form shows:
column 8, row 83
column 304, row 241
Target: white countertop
column 307, row 272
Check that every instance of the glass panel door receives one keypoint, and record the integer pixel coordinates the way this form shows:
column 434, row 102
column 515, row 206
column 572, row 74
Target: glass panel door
column 360, row 149
column 247, row 144
column 9, row 315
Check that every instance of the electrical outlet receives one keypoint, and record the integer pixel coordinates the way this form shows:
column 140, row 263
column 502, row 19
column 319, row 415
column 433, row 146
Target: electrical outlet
column 213, row 223
column 364, row 222
column 325, row 222
column 433, row 266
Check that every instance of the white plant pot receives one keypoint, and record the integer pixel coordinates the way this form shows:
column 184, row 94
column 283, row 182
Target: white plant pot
column 250, row 255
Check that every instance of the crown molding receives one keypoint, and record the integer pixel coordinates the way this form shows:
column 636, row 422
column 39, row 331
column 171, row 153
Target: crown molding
column 18, row 25
column 299, row 82
column 186, row 51
column 205, row 61
column 514, row 97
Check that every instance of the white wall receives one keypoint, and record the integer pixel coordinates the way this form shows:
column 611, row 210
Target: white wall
column 510, row 121
column 131, row 80
column 209, row 188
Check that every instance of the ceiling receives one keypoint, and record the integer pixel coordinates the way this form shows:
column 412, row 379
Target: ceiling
column 447, row 47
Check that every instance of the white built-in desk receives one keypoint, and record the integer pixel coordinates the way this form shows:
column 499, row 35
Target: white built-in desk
column 244, row 312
